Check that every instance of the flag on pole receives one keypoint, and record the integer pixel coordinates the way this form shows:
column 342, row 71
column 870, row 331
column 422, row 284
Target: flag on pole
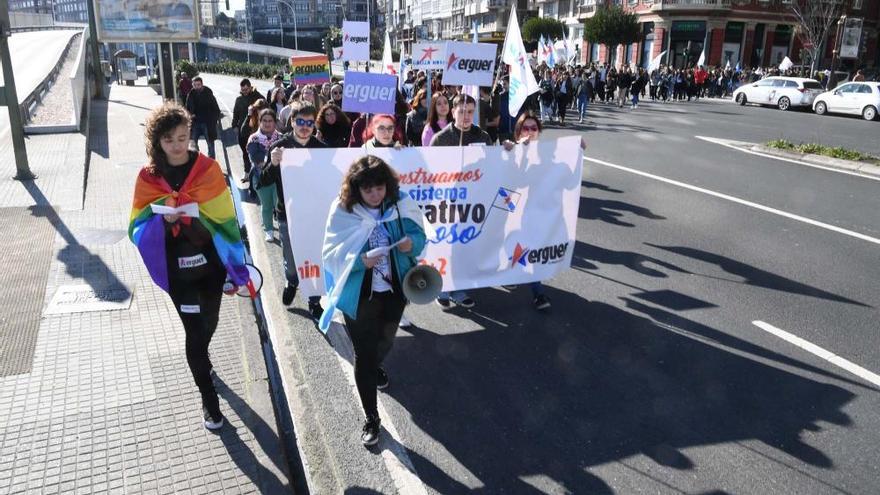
column 727, row 65
column 472, row 90
column 655, row 62
column 387, row 61
column 522, row 81
column 737, row 68
column 561, row 52
column 786, row 64
column 401, row 73
column 542, row 54
column 702, row 61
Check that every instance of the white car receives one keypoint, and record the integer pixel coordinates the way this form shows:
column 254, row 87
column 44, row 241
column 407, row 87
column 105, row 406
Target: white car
column 856, row 98
column 781, row 92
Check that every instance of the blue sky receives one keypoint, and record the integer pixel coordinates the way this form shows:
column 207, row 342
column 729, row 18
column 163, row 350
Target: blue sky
column 233, row 6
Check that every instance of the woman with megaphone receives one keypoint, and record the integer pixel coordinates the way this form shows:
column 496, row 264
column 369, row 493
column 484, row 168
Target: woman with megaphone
column 373, row 234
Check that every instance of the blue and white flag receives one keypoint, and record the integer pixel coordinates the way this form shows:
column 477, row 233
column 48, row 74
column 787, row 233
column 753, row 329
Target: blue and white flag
column 522, row 81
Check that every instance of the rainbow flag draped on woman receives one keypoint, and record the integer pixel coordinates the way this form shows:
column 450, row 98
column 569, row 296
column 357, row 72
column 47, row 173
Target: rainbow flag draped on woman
column 206, row 186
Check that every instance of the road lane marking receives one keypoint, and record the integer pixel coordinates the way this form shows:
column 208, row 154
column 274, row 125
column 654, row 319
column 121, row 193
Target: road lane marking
column 743, row 202
column 820, row 352
column 724, row 142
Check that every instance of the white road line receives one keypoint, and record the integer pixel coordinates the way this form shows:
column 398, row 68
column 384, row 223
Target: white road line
column 822, row 353
column 743, row 202
column 723, row 142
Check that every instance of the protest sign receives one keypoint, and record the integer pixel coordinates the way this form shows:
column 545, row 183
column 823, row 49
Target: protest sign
column 313, row 69
column 355, row 41
column 429, row 55
column 369, row 92
column 500, row 218
column 469, row 63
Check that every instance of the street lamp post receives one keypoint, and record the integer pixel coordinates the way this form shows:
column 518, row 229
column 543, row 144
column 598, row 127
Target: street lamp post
column 9, row 97
column 295, row 33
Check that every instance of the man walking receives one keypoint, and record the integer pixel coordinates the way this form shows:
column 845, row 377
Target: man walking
column 239, row 116
column 205, row 112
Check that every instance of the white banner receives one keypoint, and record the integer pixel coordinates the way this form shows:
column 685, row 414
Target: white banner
column 469, row 63
column 429, row 55
column 355, row 41
column 501, row 218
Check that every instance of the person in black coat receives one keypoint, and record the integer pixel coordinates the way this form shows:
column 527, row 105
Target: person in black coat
column 202, row 106
column 239, row 115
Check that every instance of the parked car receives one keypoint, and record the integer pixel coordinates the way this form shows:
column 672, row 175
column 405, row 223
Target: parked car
column 781, row 92
column 856, row 98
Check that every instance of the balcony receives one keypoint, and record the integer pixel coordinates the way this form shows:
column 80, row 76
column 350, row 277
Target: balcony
column 691, row 5
column 498, row 4
column 587, row 6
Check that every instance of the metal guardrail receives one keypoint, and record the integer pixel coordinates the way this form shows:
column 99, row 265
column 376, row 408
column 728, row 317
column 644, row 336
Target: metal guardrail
column 30, row 102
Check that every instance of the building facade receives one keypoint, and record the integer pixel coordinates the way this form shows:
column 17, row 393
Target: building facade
column 208, row 13
column 71, row 11
column 31, row 6
column 307, row 20
column 750, row 33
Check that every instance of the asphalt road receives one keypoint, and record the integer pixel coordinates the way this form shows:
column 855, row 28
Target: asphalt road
column 649, row 375
column 34, row 54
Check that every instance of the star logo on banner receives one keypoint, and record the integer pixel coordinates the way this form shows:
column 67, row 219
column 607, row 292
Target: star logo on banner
column 428, row 53
column 346, row 37
column 520, row 254
column 452, row 59
column 391, row 69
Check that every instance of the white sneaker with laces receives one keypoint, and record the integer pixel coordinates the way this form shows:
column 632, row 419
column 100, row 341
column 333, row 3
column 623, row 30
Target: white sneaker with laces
column 269, row 237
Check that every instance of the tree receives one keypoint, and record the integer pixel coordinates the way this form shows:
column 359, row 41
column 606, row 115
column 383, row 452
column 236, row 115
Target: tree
column 612, row 26
column 536, row 27
column 815, row 18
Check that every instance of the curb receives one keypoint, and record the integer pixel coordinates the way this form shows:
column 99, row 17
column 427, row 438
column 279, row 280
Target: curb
column 825, row 161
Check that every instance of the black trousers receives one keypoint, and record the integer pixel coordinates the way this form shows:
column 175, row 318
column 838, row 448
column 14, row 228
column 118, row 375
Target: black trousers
column 372, row 333
column 242, row 143
column 198, row 305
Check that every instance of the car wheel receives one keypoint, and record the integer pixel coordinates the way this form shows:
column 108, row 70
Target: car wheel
column 741, row 98
column 821, row 108
column 869, row 113
column 784, row 103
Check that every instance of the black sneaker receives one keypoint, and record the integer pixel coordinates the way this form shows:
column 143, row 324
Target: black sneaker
column 382, row 379
column 246, row 178
column 315, row 310
column 287, row 295
column 370, row 435
column 214, row 421
column 444, row 302
column 541, row 302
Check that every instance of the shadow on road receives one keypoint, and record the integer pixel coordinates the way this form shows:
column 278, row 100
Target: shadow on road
column 588, row 384
column 611, row 211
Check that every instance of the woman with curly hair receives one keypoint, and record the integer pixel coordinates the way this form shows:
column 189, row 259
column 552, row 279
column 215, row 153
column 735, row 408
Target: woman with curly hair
column 333, row 126
column 370, row 213
column 193, row 255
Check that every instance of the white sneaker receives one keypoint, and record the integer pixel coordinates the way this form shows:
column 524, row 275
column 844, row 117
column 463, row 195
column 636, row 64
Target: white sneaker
column 404, row 322
column 269, row 237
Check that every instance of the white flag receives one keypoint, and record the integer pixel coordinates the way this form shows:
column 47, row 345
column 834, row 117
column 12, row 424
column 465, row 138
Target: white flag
column 401, row 74
column 522, row 81
column 786, row 64
column 561, row 52
column 702, row 61
column 655, row 62
column 387, row 62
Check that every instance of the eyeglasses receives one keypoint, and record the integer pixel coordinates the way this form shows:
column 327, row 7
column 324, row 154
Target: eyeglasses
column 530, row 128
column 336, row 92
column 385, row 128
column 305, row 123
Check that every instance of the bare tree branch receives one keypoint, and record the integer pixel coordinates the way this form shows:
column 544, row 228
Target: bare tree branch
column 815, row 19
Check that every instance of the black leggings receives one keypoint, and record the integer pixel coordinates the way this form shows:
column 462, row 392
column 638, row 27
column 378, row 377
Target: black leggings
column 198, row 305
column 374, row 327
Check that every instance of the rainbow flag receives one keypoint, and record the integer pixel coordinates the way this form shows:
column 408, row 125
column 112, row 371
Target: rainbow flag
column 206, row 186
column 310, row 70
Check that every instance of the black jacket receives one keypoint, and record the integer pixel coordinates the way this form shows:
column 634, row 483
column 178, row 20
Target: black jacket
column 239, row 111
column 272, row 174
column 451, row 136
column 203, row 106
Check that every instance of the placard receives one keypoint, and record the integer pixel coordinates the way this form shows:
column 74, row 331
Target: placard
column 369, row 92
column 429, row 55
column 355, row 41
column 469, row 63
column 314, row 69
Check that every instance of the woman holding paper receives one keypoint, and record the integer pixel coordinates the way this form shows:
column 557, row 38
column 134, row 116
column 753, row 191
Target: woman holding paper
column 372, row 235
column 184, row 226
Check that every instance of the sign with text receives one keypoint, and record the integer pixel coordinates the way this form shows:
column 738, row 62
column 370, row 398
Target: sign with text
column 368, row 92
column 337, row 53
column 850, row 42
column 313, row 69
column 147, row 20
column 469, row 63
column 429, row 55
column 355, row 41
column 500, row 218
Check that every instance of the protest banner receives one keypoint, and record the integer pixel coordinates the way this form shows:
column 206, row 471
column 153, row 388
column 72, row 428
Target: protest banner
column 500, row 218
column 429, row 55
column 469, row 63
column 368, row 92
column 337, row 52
column 314, row 69
column 355, row 41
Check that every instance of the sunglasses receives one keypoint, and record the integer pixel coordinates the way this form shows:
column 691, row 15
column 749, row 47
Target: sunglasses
column 304, row 122
column 530, row 128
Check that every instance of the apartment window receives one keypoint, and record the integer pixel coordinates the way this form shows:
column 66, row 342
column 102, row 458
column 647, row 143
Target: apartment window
column 857, row 5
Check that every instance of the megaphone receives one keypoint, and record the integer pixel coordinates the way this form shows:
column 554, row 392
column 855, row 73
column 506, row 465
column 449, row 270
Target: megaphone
column 422, row 284
column 252, row 288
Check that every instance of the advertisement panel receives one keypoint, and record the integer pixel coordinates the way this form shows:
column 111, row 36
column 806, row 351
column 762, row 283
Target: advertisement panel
column 469, row 63
column 156, row 21
column 355, row 41
column 850, row 42
column 314, row 69
column 127, row 68
column 499, row 218
column 429, row 55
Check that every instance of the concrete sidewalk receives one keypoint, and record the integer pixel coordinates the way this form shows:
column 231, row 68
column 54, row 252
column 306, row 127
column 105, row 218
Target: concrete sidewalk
column 95, row 392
